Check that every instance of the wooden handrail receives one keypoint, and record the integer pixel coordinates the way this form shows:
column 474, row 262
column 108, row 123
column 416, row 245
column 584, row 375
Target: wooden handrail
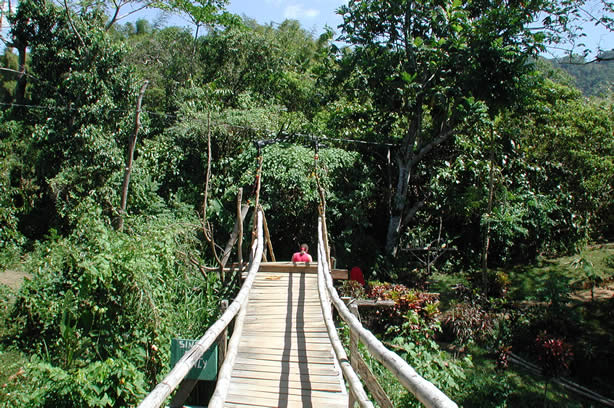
column 159, row 394
column 223, row 379
column 422, row 389
column 356, row 387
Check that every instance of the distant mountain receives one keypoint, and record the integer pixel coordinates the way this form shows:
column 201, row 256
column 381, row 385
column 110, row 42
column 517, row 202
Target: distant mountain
column 593, row 78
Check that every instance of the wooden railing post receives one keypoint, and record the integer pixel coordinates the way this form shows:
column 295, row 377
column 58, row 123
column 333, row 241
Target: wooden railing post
column 222, row 342
column 359, row 365
column 353, row 350
column 425, row 391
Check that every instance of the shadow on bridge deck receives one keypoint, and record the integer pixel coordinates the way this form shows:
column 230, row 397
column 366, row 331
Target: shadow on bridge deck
column 285, row 358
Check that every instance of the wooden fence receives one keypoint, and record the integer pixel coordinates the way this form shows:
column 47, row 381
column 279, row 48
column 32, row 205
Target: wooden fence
column 423, row 390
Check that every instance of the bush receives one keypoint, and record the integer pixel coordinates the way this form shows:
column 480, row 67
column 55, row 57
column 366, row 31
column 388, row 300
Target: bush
column 468, row 323
column 102, row 306
column 554, row 355
column 353, row 289
column 406, row 300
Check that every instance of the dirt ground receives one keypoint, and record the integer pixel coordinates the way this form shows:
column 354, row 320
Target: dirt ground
column 606, row 292
column 12, row 278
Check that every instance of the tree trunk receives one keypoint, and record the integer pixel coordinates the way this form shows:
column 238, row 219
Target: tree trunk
column 20, row 88
column 131, row 148
column 491, row 184
column 398, row 207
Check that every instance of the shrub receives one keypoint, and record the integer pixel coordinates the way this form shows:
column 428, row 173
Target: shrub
column 554, row 355
column 352, row 289
column 424, row 304
column 468, row 323
column 102, row 305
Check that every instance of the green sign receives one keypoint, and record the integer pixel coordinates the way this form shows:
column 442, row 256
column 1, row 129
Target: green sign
column 205, row 368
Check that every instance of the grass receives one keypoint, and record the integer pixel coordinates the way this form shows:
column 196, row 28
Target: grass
column 527, row 281
column 586, row 324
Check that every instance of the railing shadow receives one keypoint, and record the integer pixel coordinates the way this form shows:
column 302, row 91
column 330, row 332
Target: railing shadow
column 301, row 342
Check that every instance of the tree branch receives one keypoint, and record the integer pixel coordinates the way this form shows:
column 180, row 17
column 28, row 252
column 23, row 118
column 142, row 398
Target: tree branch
column 412, row 212
column 426, row 149
column 115, row 18
column 72, row 25
column 18, row 72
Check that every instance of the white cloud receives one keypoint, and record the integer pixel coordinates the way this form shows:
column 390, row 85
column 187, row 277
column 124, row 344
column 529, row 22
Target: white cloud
column 297, row 11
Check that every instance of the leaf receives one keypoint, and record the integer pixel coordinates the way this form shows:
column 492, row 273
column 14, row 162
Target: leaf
column 408, row 78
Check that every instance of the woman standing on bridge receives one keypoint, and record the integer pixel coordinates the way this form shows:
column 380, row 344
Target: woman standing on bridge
column 302, row 256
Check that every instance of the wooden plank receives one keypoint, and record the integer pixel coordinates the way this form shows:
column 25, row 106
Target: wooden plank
column 277, row 383
column 292, row 401
column 294, row 393
column 285, row 368
column 285, row 344
column 290, row 337
column 269, row 404
column 286, row 361
column 280, row 357
column 282, row 329
column 264, row 307
column 260, row 375
column 281, row 321
column 311, row 269
column 268, row 350
column 287, row 333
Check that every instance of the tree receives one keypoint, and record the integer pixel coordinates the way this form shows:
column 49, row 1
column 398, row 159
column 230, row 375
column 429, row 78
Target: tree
column 564, row 21
column 567, row 145
column 77, row 139
column 432, row 68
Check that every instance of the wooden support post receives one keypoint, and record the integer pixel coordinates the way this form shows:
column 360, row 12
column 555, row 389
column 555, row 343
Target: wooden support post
column 240, row 229
column 359, row 365
column 351, row 399
column 353, row 351
column 257, row 203
column 267, row 237
column 222, row 341
column 183, row 392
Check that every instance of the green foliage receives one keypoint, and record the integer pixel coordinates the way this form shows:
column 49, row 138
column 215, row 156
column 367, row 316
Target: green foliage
column 416, row 344
column 469, row 323
column 554, row 355
column 587, row 274
column 109, row 383
column 565, row 142
column 102, row 307
column 353, row 289
column 432, row 71
column 76, row 143
column 289, row 190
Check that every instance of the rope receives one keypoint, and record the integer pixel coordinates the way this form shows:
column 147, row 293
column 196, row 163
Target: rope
column 281, row 136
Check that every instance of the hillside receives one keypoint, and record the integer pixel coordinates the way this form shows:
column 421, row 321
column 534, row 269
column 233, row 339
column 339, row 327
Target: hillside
column 592, row 78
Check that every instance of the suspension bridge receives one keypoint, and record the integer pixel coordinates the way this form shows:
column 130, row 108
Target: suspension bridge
column 285, row 350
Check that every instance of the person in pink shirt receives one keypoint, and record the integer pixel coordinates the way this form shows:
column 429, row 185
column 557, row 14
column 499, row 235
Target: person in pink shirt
column 302, row 256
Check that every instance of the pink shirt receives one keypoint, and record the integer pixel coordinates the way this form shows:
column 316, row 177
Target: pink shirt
column 301, row 257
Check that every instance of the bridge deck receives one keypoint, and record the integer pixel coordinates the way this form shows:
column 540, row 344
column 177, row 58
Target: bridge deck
column 285, row 358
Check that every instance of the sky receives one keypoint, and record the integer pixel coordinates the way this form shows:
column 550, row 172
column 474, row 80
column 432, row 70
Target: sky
column 313, row 15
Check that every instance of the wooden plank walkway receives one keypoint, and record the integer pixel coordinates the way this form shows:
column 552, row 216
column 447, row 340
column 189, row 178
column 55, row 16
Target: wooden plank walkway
column 285, row 358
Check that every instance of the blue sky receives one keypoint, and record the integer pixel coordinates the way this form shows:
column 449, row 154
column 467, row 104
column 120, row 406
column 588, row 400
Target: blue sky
column 313, row 14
